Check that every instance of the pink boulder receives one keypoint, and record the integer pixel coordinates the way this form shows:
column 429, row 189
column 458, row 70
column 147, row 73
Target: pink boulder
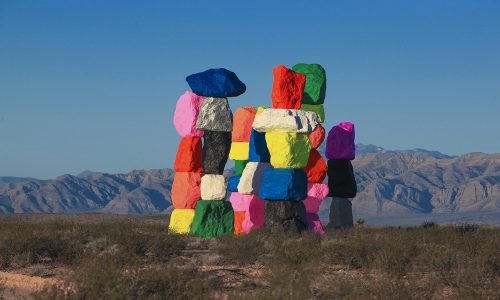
column 253, row 207
column 314, row 224
column 316, row 192
column 186, row 114
column 340, row 142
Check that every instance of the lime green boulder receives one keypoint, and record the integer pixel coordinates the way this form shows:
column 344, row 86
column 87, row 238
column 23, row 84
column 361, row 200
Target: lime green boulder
column 239, row 166
column 315, row 87
column 212, row 218
column 289, row 150
column 317, row 108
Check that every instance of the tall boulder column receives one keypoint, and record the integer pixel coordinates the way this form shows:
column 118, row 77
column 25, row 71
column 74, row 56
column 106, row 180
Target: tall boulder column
column 340, row 150
column 286, row 127
column 214, row 215
column 185, row 190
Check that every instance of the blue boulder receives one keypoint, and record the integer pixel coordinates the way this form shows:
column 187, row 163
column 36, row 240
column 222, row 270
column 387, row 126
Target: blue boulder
column 283, row 185
column 232, row 183
column 258, row 151
column 216, row 83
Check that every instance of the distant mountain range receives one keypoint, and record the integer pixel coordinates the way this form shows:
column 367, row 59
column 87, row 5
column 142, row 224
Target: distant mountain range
column 389, row 183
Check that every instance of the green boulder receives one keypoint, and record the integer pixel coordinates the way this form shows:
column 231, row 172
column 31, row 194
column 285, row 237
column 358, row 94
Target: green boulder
column 212, row 218
column 319, row 109
column 315, row 87
column 239, row 166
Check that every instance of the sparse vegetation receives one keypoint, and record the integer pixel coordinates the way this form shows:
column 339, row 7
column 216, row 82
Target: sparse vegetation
column 136, row 258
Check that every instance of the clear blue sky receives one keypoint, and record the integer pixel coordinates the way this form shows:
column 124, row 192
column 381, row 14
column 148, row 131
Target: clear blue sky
column 93, row 84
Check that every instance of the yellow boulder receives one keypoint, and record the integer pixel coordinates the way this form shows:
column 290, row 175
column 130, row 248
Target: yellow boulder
column 289, row 150
column 239, row 151
column 180, row 221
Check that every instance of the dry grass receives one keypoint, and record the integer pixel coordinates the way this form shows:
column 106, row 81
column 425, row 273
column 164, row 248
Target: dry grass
column 131, row 258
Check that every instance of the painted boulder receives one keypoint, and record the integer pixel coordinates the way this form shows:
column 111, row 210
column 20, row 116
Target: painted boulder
column 316, row 193
column 285, row 216
column 186, row 114
column 283, row 185
column 315, row 86
column 317, row 136
column 340, row 142
column 239, row 151
column 288, row 150
column 213, row 218
column 213, row 187
column 189, row 155
column 258, row 151
column 215, row 115
column 316, row 108
column 185, row 192
column 288, row 87
column 314, row 224
column 251, row 178
column 316, row 167
column 232, row 183
column 242, row 123
column 216, row 147
column 286, row 120
column 180, row 221
column 341, row 181
column 216, row 83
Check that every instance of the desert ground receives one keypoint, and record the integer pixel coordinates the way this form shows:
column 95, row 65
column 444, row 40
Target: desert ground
column 98, row 256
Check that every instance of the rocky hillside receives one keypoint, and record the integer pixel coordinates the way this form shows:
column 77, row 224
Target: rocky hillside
column 389, row 182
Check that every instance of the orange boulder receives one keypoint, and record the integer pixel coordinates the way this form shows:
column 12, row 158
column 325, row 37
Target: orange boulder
column 185, row 192
column 242, row 123
column 239, row 217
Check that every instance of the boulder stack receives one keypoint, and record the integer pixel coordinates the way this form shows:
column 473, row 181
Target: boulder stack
column 340, row 150
column 248, row 207
column 185, row 192
column 286, row 127
column 199, row 188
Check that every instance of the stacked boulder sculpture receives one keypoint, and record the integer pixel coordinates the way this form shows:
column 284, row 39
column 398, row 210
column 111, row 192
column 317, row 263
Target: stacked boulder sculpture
column 340, row 150
column 204, row 112
column 279, row 173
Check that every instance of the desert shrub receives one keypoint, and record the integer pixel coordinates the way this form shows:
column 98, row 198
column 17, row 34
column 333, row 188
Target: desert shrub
column 242, row 249
column 429, row 224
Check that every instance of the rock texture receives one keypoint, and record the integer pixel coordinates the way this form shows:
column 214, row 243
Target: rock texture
column 286, row 120
column 216, row 147
column 213, row 218
column 216, row 83
column 283, row 185
column 340, row 213
column 253, row 207
column 232, row 183
column 316, row 108
column 258, row 151
column 239, row 166
column 288, row 150
column 251, row 178
column 189, row 155
column 180, row 221
column 185, row 191
column 316, row 193
column 340, row 142
column 285, row 215
column 242, row 123
column 288, row 87
column 215, row 115
column 213, row 187
column 315, row 86
column 186, row 114
column 316, row 167
column 317, row 136
column 239, row 151
column 341, row 180
column 314, row 224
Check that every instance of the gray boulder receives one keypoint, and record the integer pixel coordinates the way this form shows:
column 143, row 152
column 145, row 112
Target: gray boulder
column 216, row 146
column 289, row 216
column 340, row 213
column 215, row 115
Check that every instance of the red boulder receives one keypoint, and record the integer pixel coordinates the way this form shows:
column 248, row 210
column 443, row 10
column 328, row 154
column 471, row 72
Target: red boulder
column 317, row 136
column 316, row 167
column 189, row 155
column 242, row 123
column 288, row 87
